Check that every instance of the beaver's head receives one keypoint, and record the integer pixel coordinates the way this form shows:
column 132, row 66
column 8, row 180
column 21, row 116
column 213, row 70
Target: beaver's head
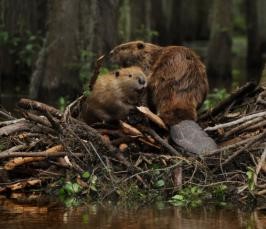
column 132, row 81
column 133, row 53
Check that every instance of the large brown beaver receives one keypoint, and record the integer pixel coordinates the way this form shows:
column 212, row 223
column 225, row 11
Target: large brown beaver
column 114, row 95
column 177, row 79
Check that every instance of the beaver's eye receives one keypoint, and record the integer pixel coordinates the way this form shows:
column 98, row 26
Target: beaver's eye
column 140, row 45
column 129, row 75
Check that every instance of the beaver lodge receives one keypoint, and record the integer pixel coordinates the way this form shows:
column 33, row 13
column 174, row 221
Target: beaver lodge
column 44, row 150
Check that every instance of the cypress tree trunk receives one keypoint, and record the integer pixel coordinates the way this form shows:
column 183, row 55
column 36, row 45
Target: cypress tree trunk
column 78, row 32
column 256, row 33
column 219, row 59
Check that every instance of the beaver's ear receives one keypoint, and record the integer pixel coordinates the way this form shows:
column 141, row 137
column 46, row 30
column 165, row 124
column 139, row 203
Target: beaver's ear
column 140, row 45
column 117, row 73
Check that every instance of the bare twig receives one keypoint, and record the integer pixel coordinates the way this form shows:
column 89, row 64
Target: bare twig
column 235, row 145
column 6, row 123
column 257, row 138
column 170, row 148
column 259, row 165
column 97, row 67
column 34, row 105
column 68, row 110
column 16, row 127
column 235, row 122
column 243, row 126
column 32, row 154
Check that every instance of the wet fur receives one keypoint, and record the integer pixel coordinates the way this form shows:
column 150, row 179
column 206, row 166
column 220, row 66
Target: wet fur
column 177, row 79
column 114, row 95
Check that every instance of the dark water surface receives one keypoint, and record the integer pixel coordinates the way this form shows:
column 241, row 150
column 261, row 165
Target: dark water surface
column 15, row 215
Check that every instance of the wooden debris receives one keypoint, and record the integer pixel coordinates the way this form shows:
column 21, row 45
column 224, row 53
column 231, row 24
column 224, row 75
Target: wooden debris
column 153, row 117
column 46, row 144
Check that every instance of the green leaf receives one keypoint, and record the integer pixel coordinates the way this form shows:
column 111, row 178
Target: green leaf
column 178, row 197
column 72, row 188
column 93, row 188
column 29, row 47
column 160, row 183
column 93, row 179
column 86, row 175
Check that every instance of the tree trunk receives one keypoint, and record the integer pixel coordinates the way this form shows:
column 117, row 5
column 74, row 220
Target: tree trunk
column 78, row 32
column 219, row 51
column 167, row 21
column 60, row 78
column 256, row 33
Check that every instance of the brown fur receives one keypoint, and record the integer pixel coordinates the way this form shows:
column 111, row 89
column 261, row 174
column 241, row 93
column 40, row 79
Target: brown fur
column 114, row 95
column 177, row 79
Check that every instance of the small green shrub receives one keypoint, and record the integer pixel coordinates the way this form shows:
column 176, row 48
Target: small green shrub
column 214, row 98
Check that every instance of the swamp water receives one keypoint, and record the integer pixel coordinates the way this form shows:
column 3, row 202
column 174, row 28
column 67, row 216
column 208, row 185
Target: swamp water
column 51, row 215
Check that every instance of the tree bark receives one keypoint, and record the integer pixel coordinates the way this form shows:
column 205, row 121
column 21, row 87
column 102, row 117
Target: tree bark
column 219, row 59
column 60, row 78
column 256, row 33
column 74, row 26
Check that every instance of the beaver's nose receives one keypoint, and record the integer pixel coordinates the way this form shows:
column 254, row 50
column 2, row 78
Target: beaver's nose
column 142, row 81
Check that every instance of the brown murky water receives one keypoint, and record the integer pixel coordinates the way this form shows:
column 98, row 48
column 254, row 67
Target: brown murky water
column 15, row 215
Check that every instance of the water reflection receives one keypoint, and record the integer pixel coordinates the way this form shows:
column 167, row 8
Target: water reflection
column 45, row 215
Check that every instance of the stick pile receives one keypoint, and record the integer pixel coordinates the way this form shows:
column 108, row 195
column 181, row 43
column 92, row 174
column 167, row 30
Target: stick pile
column 43, row 145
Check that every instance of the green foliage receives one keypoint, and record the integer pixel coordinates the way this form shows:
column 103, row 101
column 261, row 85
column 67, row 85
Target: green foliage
column 4, row 36
column 250, row 176
column 160, row 183
column 85, row 70
column 24, row 47
column 214, row 98
column 92, row 180
column 70, row 201
column 131, row 193
column 104, row 71
column 188, row 197
column 219, row 194
column 144, row 33
column 239, row 22
column 62, row 103
column 2, row 147
column 70, row 189
column 86, row 92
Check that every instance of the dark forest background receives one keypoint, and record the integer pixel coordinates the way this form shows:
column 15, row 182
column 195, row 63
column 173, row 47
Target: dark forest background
column 48, row 47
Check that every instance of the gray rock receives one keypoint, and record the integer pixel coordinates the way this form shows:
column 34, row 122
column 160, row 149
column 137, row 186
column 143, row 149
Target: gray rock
column 189, row 135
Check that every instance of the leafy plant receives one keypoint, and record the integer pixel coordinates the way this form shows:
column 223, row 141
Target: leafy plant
column 250, row 175
column 62, row 103
column 219, row 193
column 85, row 70
column 189, row 197
column 70, row 189
column 24, row 47
column 214, row 98
column 91, row 180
